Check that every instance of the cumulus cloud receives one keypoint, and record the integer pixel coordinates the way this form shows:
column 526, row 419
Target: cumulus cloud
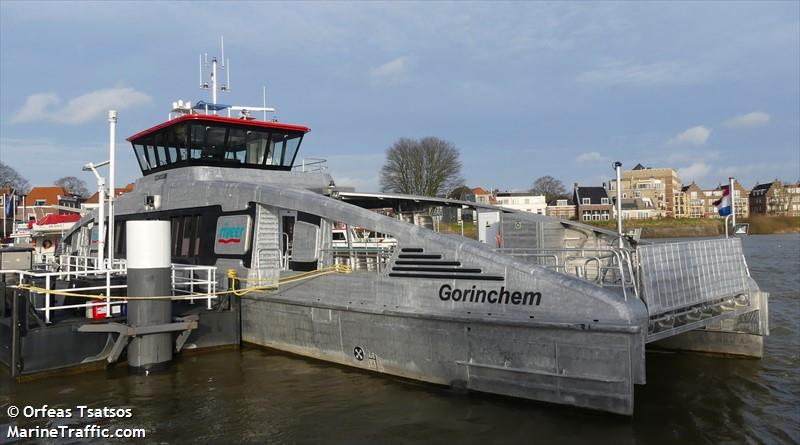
column 754, row 119
column 695, row 172
column 42, row 107
column 390, row 72
column 693, row 136
column 589, row 156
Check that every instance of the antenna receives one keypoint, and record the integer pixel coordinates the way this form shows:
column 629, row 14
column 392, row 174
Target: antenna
column 222, row 47
column 264, row 90
column 228, row 74
column 203, row 85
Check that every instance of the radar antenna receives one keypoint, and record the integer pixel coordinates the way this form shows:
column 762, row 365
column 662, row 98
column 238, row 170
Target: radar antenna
column 182, row 107
column 214, row 66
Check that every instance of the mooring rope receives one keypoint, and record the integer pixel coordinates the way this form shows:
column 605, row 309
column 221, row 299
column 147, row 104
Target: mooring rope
column 273, row 285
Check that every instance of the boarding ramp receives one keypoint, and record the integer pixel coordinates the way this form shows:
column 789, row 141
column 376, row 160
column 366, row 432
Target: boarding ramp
column 689, row 285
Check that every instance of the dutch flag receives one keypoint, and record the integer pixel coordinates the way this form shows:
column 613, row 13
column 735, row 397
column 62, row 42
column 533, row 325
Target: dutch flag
column 723, row 204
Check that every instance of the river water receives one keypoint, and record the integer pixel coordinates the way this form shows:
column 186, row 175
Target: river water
column 253, row 395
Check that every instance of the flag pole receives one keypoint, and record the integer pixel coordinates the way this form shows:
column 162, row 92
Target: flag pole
column 733, row 202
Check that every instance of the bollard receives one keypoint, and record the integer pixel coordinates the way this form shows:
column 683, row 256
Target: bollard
column 149, row 274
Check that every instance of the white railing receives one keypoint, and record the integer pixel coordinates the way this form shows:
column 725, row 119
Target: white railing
column 188, row 283
column 312, row 165
column 191, row 280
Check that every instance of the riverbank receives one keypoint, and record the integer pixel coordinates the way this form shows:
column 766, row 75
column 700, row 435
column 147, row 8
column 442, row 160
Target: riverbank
column 674, row 228
column 700, row 227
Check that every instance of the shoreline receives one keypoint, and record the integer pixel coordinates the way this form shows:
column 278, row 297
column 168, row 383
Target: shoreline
column 675, row 228
column 704, row 227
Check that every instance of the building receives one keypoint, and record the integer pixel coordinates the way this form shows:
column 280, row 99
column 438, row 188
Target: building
column 592, row 203
column 692, row 201
column 792, row 192
column 483, row 196
column 91, row 202
column 562, row 208
column 523, row 201
column 660, row 186
column 43, row 201
column 775, row 199
column 636, row 208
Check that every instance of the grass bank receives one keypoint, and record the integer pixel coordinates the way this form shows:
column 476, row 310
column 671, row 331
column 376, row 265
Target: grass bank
column 691, row 227
column 673, row 228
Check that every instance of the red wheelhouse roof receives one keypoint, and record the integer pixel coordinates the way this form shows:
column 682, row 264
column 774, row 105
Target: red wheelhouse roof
column 221, row 119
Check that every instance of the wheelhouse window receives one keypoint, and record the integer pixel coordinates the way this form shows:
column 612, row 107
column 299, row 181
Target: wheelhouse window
column 217, row 144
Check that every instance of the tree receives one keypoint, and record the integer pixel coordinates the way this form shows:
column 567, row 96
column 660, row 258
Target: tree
column 428, row 167
column 73, row 186
column 10, row 178
column 461, row 193
column 550, row 187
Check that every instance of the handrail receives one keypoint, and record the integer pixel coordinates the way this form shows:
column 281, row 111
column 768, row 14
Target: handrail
column 315, row 165
column 620, row 260
column 184, row 283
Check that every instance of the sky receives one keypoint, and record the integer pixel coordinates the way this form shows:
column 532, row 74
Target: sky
column 523, row 90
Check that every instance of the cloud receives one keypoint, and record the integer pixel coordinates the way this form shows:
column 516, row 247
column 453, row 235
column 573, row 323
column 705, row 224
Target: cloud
column 695, row 172
column 391, row 72
column 590, row 156
column 693, row 136
column 41, row 107
column 638, row 74
column 749, row 120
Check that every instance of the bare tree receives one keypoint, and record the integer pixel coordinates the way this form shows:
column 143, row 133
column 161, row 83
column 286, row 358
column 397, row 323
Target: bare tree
column 461, row 193
column 550, row 187
column 428, row 167
column 73, row 186
column 10, row 178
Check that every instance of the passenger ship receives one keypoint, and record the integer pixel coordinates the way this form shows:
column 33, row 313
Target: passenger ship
column 540, row 308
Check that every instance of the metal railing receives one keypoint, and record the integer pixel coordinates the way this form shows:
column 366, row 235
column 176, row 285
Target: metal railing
column 372, row 259
column 684, row 274
column 194, row 280
column 188, row 283
column 604, row 266
column 312, row 165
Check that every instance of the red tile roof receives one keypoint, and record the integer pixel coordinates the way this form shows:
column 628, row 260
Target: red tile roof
column 480, row 191
column 48, row 194
column 119, row 191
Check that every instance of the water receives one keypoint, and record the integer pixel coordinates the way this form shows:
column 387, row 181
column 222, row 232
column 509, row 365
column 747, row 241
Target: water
column 258, row 396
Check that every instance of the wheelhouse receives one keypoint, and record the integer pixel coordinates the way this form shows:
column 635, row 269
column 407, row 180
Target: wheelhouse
column 209, row 140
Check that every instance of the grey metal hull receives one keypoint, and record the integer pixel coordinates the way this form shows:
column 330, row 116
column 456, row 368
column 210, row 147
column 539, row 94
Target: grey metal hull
column 561, row 364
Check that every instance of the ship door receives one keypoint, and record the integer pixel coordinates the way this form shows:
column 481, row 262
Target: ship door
column 287, row 219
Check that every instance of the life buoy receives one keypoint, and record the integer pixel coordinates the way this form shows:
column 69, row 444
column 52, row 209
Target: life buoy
column 46, row 244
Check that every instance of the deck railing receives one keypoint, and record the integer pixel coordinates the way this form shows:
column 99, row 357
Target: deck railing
column 311, row 165
column 604, row 266
column 189, row 282
column 372, row 259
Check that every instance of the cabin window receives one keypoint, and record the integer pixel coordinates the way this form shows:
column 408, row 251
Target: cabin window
column 139, row 150
column 338, row 236
column 211, row 143
column 187, row 236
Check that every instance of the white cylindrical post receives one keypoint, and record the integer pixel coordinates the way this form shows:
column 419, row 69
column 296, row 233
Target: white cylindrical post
column 101, row 240
column 112, row 123
column 618, row 168
column 733, row 202
column 214, row 83
column 149, row 274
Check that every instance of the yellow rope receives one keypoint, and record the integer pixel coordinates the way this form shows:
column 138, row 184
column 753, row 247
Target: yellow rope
column 238, row 292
